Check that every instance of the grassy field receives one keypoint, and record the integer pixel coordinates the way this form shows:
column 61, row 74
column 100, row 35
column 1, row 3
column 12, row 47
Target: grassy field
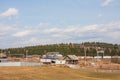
column 52, row 73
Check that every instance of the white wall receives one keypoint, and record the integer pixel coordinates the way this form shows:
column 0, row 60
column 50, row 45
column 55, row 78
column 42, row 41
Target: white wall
column 10, row 64
column 97, row 57
column 45, row 60
column 107, row 57
column 56, row 61
column 20, row 64
column 60, row 61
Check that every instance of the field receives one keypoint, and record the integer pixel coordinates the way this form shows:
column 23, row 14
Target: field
column 52, row 73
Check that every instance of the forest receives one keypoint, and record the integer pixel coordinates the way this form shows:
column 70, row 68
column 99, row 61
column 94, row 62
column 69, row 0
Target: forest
column 67, row 49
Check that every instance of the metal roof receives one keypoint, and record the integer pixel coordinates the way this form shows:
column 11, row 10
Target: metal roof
column 73, row 57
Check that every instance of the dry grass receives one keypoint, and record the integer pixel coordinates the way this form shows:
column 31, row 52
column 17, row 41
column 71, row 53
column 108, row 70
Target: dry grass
column 52, row 73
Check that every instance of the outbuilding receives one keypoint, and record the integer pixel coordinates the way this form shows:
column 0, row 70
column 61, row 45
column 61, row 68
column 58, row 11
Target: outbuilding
column 115, row 59
column 71, row 59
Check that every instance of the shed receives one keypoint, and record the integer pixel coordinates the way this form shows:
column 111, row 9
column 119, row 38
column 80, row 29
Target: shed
column 71, row 59
column 115, row 59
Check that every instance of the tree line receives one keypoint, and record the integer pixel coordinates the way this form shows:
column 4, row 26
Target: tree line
column 68, row 48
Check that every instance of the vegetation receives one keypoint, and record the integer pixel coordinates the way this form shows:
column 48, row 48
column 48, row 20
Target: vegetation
column 65, row 49
column 52, row 73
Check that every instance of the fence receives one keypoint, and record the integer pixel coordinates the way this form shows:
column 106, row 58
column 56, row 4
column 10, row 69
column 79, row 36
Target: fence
column 90, row 70
column 20, row 64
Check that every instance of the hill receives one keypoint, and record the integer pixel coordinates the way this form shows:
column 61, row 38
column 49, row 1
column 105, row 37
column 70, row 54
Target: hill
column 70, row 48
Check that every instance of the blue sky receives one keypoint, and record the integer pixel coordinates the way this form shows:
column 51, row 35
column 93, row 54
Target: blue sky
column 34, row 22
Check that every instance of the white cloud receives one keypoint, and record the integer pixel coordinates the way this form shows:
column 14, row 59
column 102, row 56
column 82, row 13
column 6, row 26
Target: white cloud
column 23, row 33
column 70, row 30
column 9, row 13
column 4, row 29
column 108, row 32
column 106, row 2
column 36, row 41
column 32, row 41
column 74, row 33
column 52, row 30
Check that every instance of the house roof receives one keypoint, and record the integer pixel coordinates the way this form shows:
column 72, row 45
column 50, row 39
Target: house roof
column 72, row 57
column 53, row 55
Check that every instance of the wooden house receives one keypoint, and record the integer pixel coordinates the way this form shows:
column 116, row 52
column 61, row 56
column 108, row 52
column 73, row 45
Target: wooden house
column 71, row 59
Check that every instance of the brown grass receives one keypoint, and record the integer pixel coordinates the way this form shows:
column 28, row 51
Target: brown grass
column 52, row 73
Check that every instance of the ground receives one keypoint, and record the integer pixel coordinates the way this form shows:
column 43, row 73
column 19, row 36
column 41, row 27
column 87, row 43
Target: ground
column 100, row 64
column 52, row 73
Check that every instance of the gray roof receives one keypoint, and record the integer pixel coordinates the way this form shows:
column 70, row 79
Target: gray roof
column 53, row 55
column 72, row 57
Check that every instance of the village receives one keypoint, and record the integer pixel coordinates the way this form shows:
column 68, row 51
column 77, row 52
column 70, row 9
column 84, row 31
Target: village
column 99, row 62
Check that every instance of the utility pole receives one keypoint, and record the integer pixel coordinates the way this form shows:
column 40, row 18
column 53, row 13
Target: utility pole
column 85, row 55
column 1, row 53
column 9, row 54
column 26, row 54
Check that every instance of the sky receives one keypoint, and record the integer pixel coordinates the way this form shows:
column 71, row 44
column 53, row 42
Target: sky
column 39, row 22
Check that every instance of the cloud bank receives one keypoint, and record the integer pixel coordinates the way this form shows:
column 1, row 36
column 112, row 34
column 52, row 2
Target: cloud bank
column 73, row 33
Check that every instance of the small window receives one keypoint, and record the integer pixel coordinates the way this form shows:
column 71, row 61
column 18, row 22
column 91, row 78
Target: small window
column 53, row 61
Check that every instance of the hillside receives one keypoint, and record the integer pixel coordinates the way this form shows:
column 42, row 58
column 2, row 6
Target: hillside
column 70, row 48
